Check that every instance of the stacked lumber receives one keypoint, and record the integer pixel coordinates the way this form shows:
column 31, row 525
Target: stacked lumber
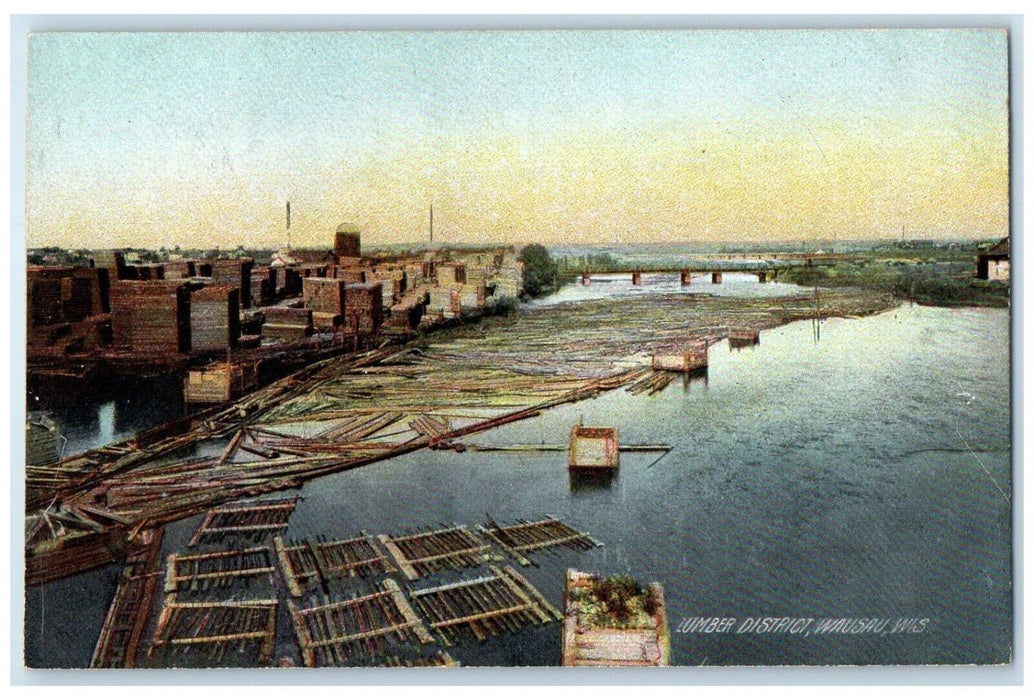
column 364, row 308
column 236, row 273
column 472, row 296
column 450, row 273
column 180, row 269
column 324, row 296
column 41, row 437
column 263, row 286
column 219, row 382
column 445, row 300
column 351, row 275
column 284, row 323
column 215, row 317
column 152, row 317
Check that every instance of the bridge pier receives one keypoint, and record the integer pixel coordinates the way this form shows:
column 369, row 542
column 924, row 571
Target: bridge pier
column 766, row 275
column 637, row 278
column 686, row 278
column 716, row 278
column 585, row 278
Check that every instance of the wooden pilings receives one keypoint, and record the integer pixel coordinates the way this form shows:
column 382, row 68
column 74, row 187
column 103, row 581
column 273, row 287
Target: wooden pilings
column 716, row 277
column 685, row 278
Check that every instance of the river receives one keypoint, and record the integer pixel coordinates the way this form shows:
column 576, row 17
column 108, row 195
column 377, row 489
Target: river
column 863, row 475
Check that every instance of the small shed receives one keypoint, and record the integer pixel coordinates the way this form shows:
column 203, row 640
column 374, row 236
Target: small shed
column 993, row 263
column 593, row 448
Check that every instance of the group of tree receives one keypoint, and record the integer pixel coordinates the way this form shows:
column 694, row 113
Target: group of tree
column 541, row 275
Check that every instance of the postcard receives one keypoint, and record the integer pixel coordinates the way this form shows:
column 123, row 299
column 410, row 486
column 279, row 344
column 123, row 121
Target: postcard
column 518, row 348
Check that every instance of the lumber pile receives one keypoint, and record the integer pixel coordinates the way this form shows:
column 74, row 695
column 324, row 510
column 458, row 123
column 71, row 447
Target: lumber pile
column 284, row 323
column 215, row 317
column 236, row 273
column 151, row 317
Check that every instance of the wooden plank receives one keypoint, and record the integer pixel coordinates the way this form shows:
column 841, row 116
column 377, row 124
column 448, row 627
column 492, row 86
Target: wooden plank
column 452, row 622
column 407, row 611
column 400, row 559
column 290, row 578
column 301, row 633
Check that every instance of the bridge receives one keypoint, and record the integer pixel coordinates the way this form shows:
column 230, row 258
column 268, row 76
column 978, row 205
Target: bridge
column 765, row 265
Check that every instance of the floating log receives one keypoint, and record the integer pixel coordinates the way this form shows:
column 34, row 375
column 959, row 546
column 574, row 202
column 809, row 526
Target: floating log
column 356, row 630
column 214, row 629
column 130, row 608
column 424, row 553
column 523, row 537
column 482, row 607
column 255, row 520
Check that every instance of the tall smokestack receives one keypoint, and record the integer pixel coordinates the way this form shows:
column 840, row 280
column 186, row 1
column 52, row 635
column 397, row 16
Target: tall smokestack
column 432, row 222
column 288, row 225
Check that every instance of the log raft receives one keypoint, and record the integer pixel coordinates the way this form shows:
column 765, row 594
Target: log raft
column 356, row 631
column 484, row 606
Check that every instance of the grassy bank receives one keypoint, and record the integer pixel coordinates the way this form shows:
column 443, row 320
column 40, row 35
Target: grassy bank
column 933, row 283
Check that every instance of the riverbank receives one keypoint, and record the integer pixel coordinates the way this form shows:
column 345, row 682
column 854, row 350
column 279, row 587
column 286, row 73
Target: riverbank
column 945, row 283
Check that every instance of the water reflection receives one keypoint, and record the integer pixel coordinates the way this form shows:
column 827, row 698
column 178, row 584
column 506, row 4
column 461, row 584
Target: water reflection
column 699, row 378
column 589, row 481
column 740, row 343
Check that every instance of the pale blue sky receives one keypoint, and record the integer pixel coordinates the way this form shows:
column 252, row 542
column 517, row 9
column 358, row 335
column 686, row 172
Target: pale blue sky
column 153, row 139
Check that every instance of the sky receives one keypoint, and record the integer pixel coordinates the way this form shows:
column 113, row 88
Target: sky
column 557, row 137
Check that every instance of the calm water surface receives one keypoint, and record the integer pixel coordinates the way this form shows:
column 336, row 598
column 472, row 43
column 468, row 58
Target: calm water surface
column 865, row 475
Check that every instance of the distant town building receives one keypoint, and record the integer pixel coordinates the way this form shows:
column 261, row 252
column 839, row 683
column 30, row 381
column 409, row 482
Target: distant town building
column 993, row 263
